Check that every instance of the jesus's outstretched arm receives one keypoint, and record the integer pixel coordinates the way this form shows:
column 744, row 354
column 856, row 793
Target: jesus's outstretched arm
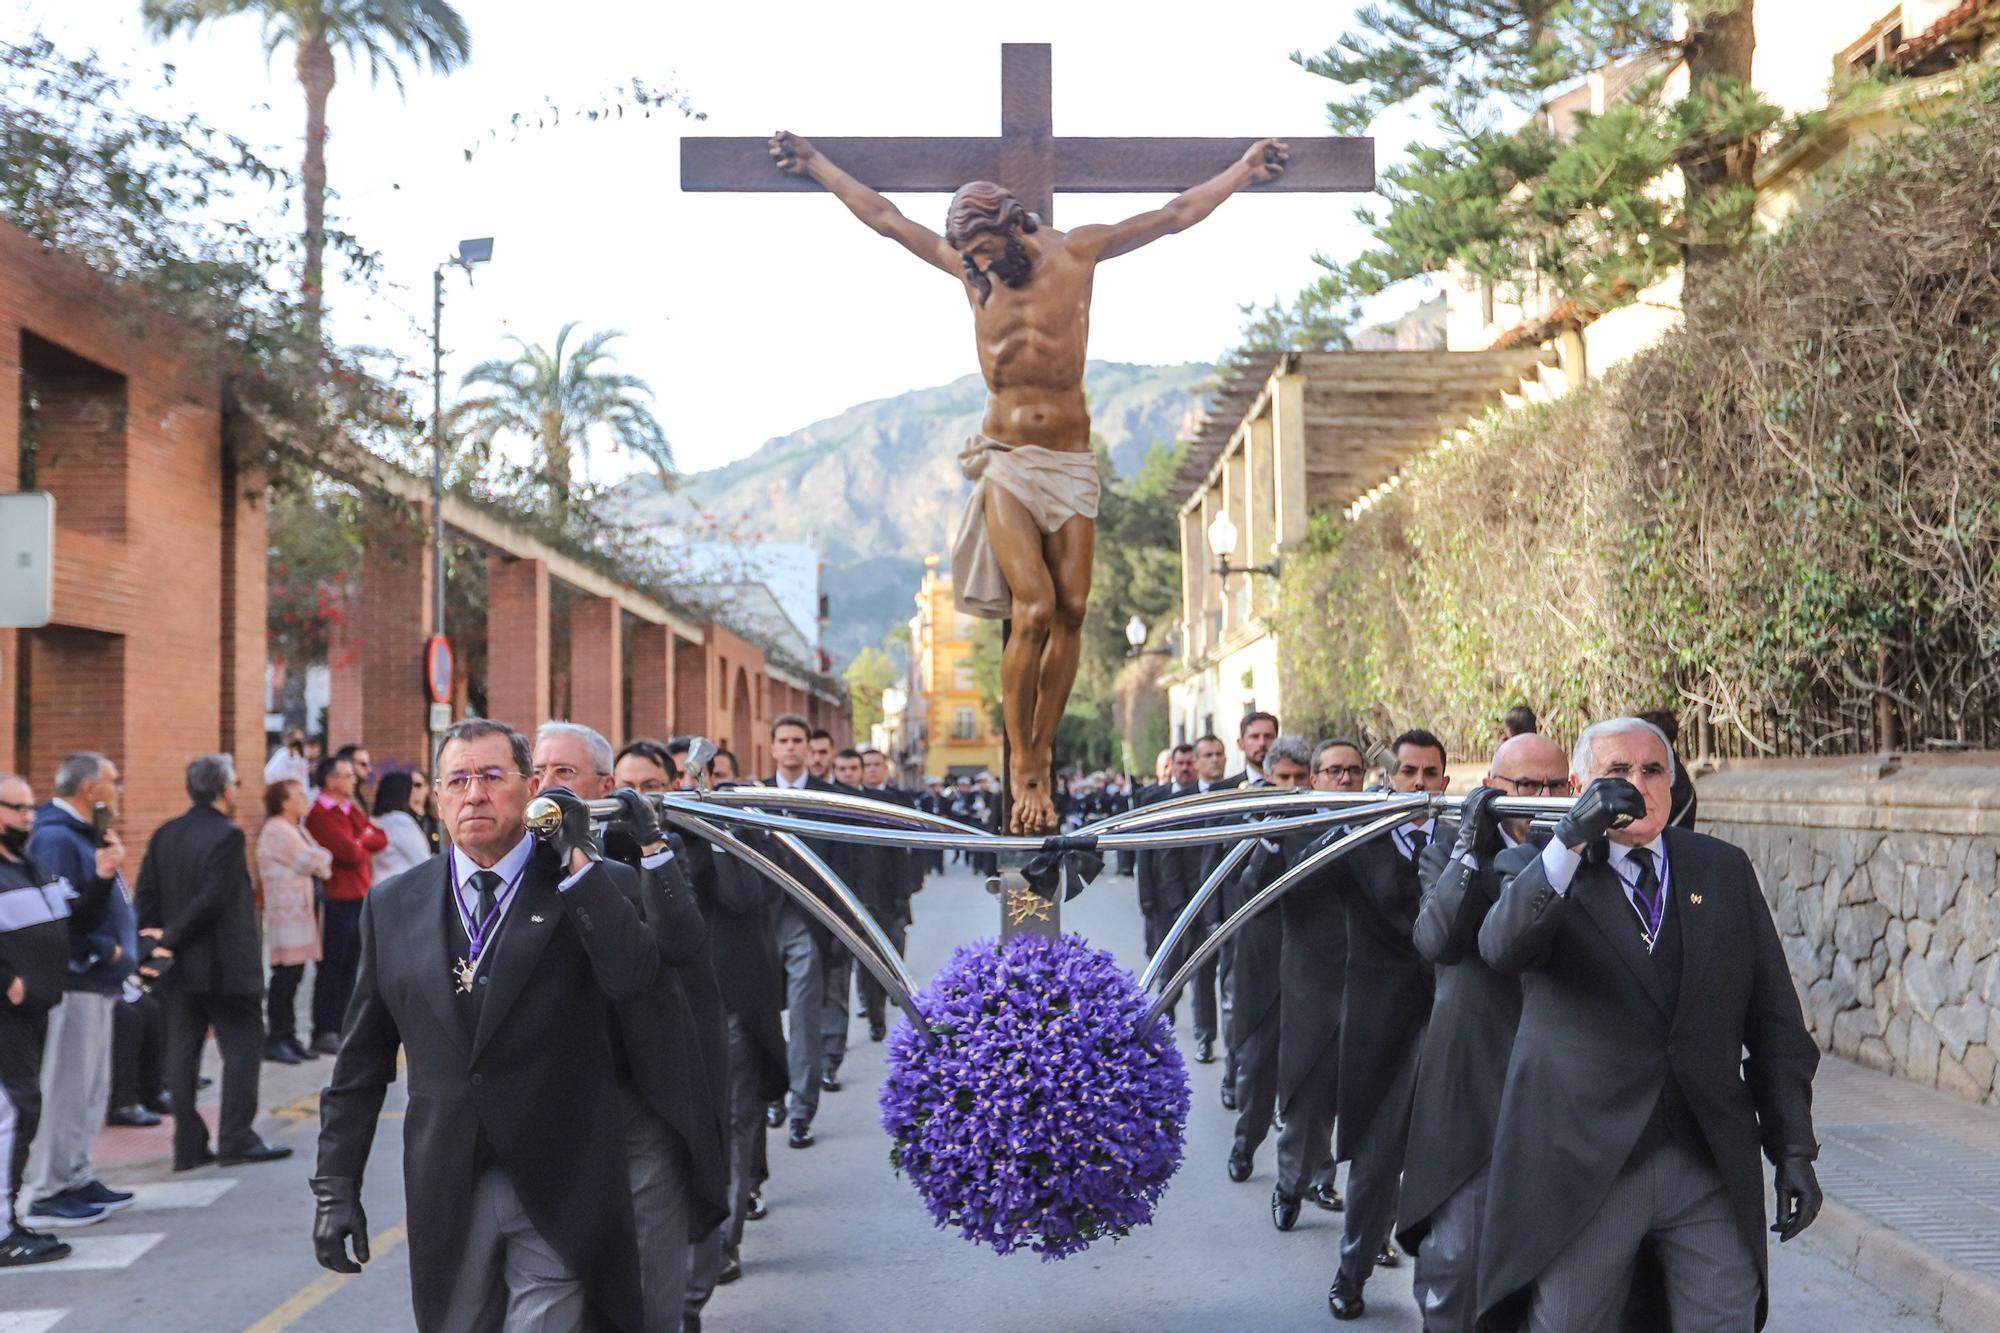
column 794, row 154
column 1264, row 161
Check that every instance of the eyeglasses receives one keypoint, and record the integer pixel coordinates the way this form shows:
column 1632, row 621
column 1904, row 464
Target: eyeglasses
column 1535, row 786
column 16, row 807
column 653, row 786
column 1650, row 771
column 1340, row 771
column 460, row 784
column 562, row 775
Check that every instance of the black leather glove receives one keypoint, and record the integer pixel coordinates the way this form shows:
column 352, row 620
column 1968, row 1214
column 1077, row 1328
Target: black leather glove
column 337, row 1219
column 1478, row 826
column 575, row 835
column 638, row 816
column 1799, row 1197
column 1606, row 804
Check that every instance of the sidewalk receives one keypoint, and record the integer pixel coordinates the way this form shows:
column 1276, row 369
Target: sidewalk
column 285, row 1093
column 1912, row 1178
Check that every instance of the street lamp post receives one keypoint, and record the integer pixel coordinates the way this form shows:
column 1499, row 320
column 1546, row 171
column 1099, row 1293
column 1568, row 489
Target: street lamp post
column 470, row 253
column 1222, row 538
column 1135, row 638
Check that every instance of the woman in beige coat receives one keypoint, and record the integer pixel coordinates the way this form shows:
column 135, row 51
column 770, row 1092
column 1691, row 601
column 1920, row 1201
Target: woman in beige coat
column 288, row 861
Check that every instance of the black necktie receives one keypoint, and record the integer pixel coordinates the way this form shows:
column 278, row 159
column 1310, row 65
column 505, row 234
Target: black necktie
column 1646, row 891
column 486, row 883
column 1418, row 841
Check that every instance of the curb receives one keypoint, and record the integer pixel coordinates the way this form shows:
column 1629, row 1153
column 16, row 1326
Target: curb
column 1961, row 1301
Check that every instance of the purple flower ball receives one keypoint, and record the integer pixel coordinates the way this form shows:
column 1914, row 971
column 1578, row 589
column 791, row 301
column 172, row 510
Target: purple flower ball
column 1042, row 1118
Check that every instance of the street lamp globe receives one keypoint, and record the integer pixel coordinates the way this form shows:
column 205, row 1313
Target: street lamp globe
column 1135, row 632
column 1222, row 536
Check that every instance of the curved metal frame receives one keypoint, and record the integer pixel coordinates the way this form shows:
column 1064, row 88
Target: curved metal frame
column 863, row 918
column 1283, row 884
column 1185, row 921
column 825, row 915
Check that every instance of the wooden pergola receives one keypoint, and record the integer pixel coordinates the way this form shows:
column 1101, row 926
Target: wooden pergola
column 1358, row 416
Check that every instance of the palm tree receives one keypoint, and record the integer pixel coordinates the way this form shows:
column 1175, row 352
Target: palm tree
column 558, row 399
column 385, row 32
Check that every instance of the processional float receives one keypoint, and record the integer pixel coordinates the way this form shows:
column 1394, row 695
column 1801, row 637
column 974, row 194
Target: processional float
column 1035, row 1095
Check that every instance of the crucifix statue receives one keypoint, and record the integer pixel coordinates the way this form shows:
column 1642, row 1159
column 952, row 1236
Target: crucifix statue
column 1024, row 546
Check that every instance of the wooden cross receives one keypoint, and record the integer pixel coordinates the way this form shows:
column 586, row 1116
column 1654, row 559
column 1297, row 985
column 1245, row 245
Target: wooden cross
column 1027, row 158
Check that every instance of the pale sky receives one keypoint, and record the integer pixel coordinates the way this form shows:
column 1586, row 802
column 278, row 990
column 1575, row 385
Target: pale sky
column 754, row 315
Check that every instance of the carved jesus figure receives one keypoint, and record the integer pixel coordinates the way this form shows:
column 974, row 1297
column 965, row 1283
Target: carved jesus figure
column 1024, row 546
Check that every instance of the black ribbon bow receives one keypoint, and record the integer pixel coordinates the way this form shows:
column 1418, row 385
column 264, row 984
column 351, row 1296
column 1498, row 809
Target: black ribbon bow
column 1076, row 853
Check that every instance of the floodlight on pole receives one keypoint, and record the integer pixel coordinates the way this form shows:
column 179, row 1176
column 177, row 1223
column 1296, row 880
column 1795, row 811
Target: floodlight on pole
column 470, row 253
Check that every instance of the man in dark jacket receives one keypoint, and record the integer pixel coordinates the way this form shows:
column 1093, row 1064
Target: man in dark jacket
column 195, row 889
column 76, row 1062
column 39, row 912
column 1661, row 1050
column 1384, row 1007
column 493, row 968
column 899, row 874
column 1471, row 1032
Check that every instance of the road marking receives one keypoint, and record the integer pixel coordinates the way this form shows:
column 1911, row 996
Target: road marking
column 30, row 1321
column 177, row 1194
column 310, row 1296
column 96, row 1252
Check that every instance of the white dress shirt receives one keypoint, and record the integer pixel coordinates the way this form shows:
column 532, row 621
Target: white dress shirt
column 1560, row 864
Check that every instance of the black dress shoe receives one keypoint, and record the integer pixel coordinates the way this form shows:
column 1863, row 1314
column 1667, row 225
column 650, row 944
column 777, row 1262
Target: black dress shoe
column 774, row 1115
column 877, row 1029
column 1389, row 1258
column 261, row 1152
column 157, row 1105
column 732, row 1268
column 1204, row 1051
column 756, row 1211
column 1345, row 1301
column 1284, row 1211
column 1228, row 1095
column 131, row 1117
column 206, row 1158
column 278, row 1051
column 830, row 1080
column 302, row 1052
column 1327, row 1197
column 1239, row 1165
column 801, row 1135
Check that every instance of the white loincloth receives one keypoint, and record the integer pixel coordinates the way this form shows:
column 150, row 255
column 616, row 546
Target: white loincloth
column 1055, row 484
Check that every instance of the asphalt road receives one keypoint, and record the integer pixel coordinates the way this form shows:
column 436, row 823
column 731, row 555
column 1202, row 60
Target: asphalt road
column 847, row 1245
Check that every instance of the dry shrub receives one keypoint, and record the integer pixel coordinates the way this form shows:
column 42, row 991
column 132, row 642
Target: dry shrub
column 1787, row 512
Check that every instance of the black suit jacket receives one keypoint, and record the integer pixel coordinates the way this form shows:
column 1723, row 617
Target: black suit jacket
column 840, row 857
column 195, row 886
column 1599, row 1039
column 1386, row 998
column 1259, row 945
column 1471, row 1033
column 745, row 951
column 533, row 1079
column 1312, row 967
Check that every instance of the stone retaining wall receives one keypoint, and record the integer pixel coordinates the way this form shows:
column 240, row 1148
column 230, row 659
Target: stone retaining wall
column 1884, row 891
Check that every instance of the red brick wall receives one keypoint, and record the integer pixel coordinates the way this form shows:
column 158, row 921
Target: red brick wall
column 597, row 666
column 690, row 689
column 517, row 642
column 391, row 619
column 652, row 665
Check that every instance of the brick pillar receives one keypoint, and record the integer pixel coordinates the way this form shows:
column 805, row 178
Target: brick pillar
column 517, row 642
column 344, row 674
column 652, row 681
column 691, row 688
column 245, row 590
column 392, row 619
column 597, row 666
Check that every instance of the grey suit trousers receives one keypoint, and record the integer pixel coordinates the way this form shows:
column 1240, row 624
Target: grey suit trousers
column 510, row 1278
column 658, row 1160
column 746, row 1127
column 1447, row 1276
column 1676, row 1199
column 838, row 970
column 1305, row 1144
column 805, row 996
column 1375, row 1175
column 1257, row 1082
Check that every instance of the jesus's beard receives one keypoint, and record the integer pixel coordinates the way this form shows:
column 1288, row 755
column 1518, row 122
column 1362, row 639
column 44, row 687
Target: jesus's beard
column 1014, row 267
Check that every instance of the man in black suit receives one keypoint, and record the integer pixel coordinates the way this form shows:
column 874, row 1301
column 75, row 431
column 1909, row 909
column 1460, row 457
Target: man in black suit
column 669, row 1042
column 1254, row 735
column 1471, row 1032
column 1660, row 1049
column 803, row 944
column 493, row 968
column 1385, row 1004
column 1211, row 998
column 1312, row 977
column 195, row 891
column 900, row 874
column 1168, row 880
column 1255, row 1019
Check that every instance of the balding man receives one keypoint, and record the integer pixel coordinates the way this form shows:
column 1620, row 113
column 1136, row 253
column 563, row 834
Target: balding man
column 1660, row 1049
column 1464, row 1063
